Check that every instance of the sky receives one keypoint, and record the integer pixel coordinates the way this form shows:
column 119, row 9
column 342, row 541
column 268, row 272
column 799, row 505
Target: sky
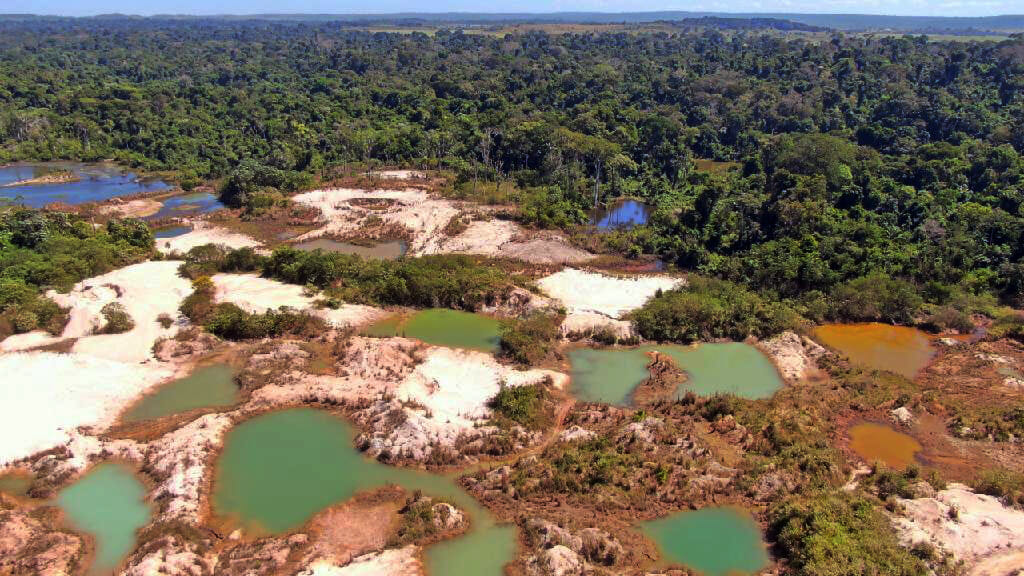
column 149, row 7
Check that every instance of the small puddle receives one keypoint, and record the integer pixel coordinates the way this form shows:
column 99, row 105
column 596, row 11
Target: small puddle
column 442, row 327
column 383, row 250
column 207, row 386
column 877, row 442
column 96, row 182
column 279, row 469
column 621, row 214
column 107, row 503
column 898, row 349
column 713, row 541
column 610, row 375
column 171, row 232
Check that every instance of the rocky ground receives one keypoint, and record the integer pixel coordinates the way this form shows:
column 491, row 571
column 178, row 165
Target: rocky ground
column 575, row 485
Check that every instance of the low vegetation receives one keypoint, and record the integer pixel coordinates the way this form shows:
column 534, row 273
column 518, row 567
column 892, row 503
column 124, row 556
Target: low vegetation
column 708, row 308
column 523, row 405
column 230, row 322
column 835, row 533
column 54, row 250
column 116, row 319
column 530, row 340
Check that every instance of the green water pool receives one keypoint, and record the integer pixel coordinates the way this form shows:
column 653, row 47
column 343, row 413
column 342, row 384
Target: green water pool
column 207, row 386
column 279, row 469
column 108, row 503
column 714, row 541
column 443, row 327
column 610, row 375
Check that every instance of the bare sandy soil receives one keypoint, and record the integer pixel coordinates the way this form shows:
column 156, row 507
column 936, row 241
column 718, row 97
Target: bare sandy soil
column 395, row 562
column 137, row 208
column 145, row 290
column 44, row 396
column 595, row 303
column 347, row 212
column 398, row 174
column 975, row 528
column 204, row 233
column 257, row 295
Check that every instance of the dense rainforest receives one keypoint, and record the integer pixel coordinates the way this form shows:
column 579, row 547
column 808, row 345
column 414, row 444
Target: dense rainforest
column 851, row 175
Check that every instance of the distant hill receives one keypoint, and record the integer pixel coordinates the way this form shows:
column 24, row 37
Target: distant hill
column 781, row 21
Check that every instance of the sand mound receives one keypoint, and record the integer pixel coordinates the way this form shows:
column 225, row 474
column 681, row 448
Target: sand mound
column 590, row 292
column 201, row 234
column 145, row 290
column 33, row 339
column 344, row 212
column 257, row 295
column 978, row 527
column 395, row 562
column 44, row 396
column 138, row 208
column 505, row 239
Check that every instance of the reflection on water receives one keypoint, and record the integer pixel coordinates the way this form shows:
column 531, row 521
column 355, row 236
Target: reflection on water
column 621, row 214
column 188, row 205
column 96, row 182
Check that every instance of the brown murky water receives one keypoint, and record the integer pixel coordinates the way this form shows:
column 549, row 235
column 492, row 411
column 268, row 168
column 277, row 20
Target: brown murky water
column 877, row 442
column 898, row 349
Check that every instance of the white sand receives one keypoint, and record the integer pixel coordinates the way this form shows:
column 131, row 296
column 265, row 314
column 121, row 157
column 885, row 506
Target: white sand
column 44, row 395
column 257, row 295
column 203, row 233
column 586, row 324
column 33, row 339
column 455, row 385
column 583, row 291
column 394, row 562
column 147, row 290
column 505, row 239
column 982, row 526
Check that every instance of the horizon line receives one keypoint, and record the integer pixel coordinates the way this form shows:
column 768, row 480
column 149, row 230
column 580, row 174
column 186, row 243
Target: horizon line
column 498, row 13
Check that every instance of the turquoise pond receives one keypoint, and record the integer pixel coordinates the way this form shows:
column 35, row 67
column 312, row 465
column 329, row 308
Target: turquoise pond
column 611, row 374
column 108, row 503
column 713, row 541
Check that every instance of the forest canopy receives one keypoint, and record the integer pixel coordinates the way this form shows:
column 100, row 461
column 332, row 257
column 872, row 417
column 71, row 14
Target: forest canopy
column 848, row 155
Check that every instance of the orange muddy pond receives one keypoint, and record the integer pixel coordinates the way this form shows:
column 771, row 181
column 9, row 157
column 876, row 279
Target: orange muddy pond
column 876, row 442
column 897, row 349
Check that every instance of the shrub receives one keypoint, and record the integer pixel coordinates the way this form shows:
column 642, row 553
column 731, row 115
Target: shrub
column 876, row 297
column 528, row 340
column 198, row 305
column 117, row 319
column 1002, row 483
column 710, row 308
column 521, row 404
column 833, row 533
column 232, row 323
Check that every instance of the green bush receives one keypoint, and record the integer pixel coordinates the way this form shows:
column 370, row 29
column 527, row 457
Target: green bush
column 876, row 297
column 529, row 340
column 521, row 404
column 117, row 319
column 834, row 533
column 232, row 323
column 437, row 281
column 709, row 308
